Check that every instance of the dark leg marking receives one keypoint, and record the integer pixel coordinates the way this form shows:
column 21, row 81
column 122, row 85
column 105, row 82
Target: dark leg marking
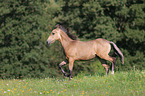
column 63, row 63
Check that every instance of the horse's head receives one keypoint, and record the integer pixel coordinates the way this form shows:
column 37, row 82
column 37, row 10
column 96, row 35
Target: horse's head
column 55, row 35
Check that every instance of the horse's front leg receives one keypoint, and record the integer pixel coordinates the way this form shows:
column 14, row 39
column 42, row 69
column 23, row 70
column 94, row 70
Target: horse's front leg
column 63, row 63
column 71, row 62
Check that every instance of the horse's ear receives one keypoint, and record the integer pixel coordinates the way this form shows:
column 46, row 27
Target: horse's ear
column 57, row 26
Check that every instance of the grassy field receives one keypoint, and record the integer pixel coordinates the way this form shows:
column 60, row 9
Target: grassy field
column 120, row 84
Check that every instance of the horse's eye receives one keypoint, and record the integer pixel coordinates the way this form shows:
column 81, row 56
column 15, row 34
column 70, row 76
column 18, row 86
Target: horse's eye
column 53, row 33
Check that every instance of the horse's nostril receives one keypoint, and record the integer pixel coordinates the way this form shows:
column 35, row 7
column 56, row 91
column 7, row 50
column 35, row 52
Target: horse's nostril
column 49, row 42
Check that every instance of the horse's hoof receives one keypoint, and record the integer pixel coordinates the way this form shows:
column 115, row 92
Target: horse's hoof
column 112, row 72
column 66, row 75
column 70, row 78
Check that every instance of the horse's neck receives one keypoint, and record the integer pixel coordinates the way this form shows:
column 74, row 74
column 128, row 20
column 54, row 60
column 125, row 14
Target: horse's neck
column 65, row 40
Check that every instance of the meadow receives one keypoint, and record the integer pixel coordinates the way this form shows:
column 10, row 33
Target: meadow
column 131, row 83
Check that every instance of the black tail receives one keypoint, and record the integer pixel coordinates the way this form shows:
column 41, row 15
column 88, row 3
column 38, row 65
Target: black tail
column 117, row 50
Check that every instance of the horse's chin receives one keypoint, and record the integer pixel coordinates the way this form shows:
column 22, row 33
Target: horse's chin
column 50, row 42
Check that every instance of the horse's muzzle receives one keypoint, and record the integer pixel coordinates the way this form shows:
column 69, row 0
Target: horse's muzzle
column 48, row 43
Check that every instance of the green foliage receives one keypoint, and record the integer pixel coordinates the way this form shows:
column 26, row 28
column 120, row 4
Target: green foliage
column 25, row 26
column 97, row 68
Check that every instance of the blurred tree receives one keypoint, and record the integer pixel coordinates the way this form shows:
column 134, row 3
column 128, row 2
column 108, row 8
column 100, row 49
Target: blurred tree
column 24, row 26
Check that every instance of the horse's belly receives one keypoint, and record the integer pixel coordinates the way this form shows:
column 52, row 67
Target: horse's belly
column 85, row 56
column 81, row 51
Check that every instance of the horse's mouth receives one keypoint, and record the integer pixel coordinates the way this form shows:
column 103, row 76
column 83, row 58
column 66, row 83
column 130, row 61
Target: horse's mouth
column 49, row 42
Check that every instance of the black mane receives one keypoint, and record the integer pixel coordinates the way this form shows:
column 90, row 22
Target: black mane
column 67, row 31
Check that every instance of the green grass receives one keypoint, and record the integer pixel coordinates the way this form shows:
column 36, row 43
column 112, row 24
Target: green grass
column 130, row 83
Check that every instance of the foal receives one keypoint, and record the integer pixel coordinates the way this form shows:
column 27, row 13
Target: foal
column 79, row 50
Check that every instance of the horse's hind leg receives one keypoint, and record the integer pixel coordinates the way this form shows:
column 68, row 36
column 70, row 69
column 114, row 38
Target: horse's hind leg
column 111, row 59
column 113, row 63
column 103, row 62
column 113, row 54
column 62, row 63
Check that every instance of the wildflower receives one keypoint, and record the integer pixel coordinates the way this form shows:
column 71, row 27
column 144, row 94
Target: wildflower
column 144, row 76
column 24, row 87
column 106, row 92
column 9, row 93
column 74, row 85
column 104, row 82
column 50, row 90
column 43, row 91
column 64, row 89
column 8, row 90
column 30, row 89
column 22, row 90
column 53, row 92
column 40, row 93
column 47, row 91
column 14, row 89
column 5, row 92
column 61, row 91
